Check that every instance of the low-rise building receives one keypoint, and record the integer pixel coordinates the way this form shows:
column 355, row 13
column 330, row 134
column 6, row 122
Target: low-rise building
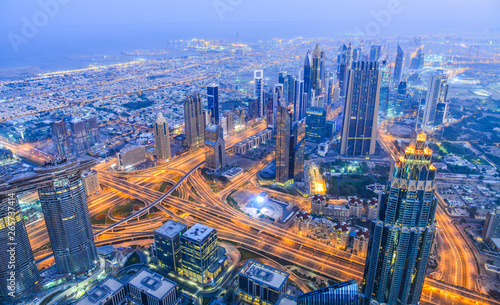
column 340, row 235
column 108, row 292
column 149, row 288
column 318, row 203
column 360, row 244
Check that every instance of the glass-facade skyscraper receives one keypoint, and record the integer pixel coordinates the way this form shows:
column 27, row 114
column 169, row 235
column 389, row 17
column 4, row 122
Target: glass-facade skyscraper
column 283, row 124
column 66, row 215
column 401, row 237
column 315, row 124
column 213, row 102
column 359, row 129
column 398, row 66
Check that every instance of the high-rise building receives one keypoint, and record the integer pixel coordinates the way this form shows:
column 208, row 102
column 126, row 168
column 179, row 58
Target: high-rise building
column 316, row 71
column 18, row 271
column 315, row 124
column 199, row 251
column 277, row 98
column 322, row 68
column 283, row 79
column 348, row 56
column 400, row 100
column 418, row 61
column 385, row 82
column 194, row 122
column 291, row 90
column 300, row 104
column 223, row 124
column 398, row 66
column 90, row 180
column 297, row 150
column 261, row 284
column 375, row 53
column 436, row 94
column 168, row 244
column 206, row 117
column 60, row 138
column 162, row 138
column 491, row 228
column 66, row 215
column 84, row 134
column 308, row 78
column 215, row 156
column 282, row 150
column 345, row 293
column 343, row 72
column 213, row 102
column 229, row 115
column 359, row 129
column 401, row 238
column 258, row 78
column 130, row 156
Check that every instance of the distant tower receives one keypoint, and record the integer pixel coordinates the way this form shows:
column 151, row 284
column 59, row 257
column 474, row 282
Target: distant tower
column 348, row 56
column 194, row 122
column 213, row 102
column 66, row 215
column 375, row 53
column 308, row 76
column 359, row 130
column 60, row 138
column 400, row 101
column 398, row 67
column 436, row 95
column 316, row 70
column 401, row 238
column 162, row 138
column 24, row 266
column 258, row 77
column 282, row 150
column 215, row 156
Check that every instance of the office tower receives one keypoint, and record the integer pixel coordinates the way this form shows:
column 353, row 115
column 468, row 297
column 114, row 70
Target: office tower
column 400, row 100
column 491, row 228
column 213, row 102
column 297, row 150
column 277, row 98
column 66, row 215
column 345, row 293
column 398, row 66
column 194, row 122
column 15, row 251
column 168, row 244
column 261, row 284
column 375, row 53
column 359, row 130
column 149, row 288
column 348, row 56
column 385, row 72
column 206, row 117
column 441, row 113
column 401, row 238
column 330, row 85
column 130, row 156
column 253, row 109
column 418, row 61
column 90, row 180
column 308, row 78
column 315, row 124
column 162, row 138
column 316, row 70
column 84, row 133
column 343, row 72
column 330, row 129
column 341, row 55
column 291, row 90
column 215, row 156
column 436, row 94
column 300, row 104
column 282, row 152
column 223, row 124
column 199, row 251
column 60, row 138
column 108, row 292
column 283, row 80
column 229, row 115
column 322, row 68
column 258, row 78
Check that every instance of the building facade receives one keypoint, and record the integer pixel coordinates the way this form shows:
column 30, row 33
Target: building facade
column 149, row 288
column 401, row 238
column 130, row 156
column 258, row 78
column 90, row 180
column 315, row 124
column 198, row 252
column 215, row 156
column 168, row 244
column 162, row 138
column 194, row 121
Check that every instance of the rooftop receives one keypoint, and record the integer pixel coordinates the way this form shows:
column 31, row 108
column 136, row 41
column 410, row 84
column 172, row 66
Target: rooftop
column 264, row 274
column 100, row 293
column 198, row 232
column 152, row 283
column 171, row 228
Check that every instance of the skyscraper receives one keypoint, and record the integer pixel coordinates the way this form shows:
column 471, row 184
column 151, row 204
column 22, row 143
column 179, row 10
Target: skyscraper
column 258, row 76
column 436, row 94
column 66, row 215
column 213, row 102
column 401, row 238
column 400, row 101
column 194, row 122
column 398, row 66
column 84, row 133
column 60, row 138
column 277, row 98
column 316, row 70
column 375, row 52
column 297, row 150
column 345, row 293
column 291, row 90
column 18, row 272
column 168, row 244
column 299, row 106
column 162, row 138
column 199, row 251
column 215, row 156
column 283, row 79
column 417, row 62
column 384, row 87
column 359, row 129
column 282, row 152
column 343, row 72
column 315, row 124
column 308, row 78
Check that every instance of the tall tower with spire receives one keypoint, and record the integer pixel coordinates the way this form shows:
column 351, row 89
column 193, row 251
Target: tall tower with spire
column 401, row 238
column 162, row 138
